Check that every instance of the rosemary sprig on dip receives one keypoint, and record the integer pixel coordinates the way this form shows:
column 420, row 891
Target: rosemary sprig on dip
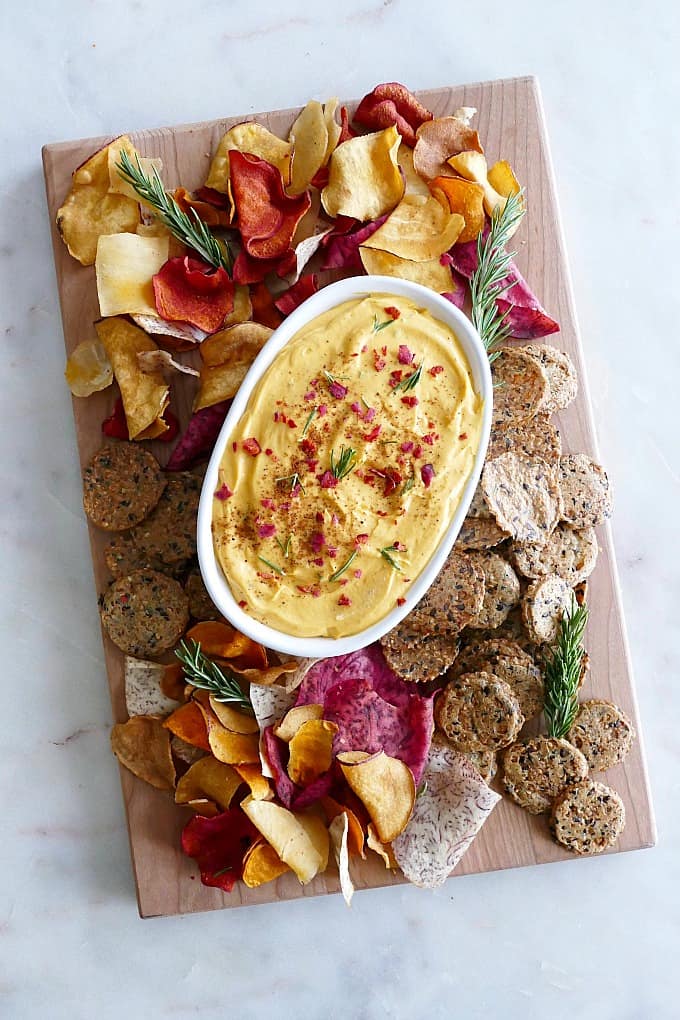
column 386, row 553
column 272, row 566
column 310, row 418
column 202, row 672
column 190, row 230
column 293, row 479
column 410, row 382
column 345, row 463
column 284, row 547
column 377, row 326
column 493, row 265
column 346, row 565
column 563, row 672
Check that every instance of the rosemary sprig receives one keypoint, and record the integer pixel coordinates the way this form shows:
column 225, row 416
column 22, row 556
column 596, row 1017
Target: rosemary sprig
column 294, row 480
column 563, row 671
column 202, row 672
column 345, row 463
column 310, row 418
column 272, row 566
column 386, row 553
column 408, row 484
column 284, row 547
column 493, row 265
column 190, row 230
column 346, row 565
column 377, row 326
column 411, row 381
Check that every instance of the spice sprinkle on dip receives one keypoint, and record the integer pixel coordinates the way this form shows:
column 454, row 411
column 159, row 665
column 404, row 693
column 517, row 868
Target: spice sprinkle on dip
column 346, row 468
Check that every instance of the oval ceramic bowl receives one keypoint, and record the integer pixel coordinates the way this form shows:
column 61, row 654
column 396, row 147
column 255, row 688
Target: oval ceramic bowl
column 331, row 296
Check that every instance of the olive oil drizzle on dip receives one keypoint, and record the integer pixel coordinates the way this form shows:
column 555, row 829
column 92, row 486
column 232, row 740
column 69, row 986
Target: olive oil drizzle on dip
column 346, row 468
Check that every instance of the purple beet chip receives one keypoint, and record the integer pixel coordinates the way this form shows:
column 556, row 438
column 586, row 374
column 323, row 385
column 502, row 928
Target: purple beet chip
column 199, row 437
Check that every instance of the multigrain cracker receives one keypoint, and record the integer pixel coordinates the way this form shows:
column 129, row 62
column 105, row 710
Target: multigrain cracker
column 561, row 373
column 543, row 605
column 479, row 506
column 586, row 493
column 524, row 496
column 452, row 600
column 418, row 657
column 169, row 532
column 145, row 613
column 501, row 589
column 518, row 670
column 122, row 555
column 536, row 769
column 478, row 648
column 587, row 817
column 121, row 485
column 477, row 712
column 520, row 387
column 480, row 533
column 570, row 552
column 603, row 733
column 536, row 438
column 201, row 606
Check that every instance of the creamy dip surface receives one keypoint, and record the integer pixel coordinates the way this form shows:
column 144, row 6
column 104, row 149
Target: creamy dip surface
column 346, row 468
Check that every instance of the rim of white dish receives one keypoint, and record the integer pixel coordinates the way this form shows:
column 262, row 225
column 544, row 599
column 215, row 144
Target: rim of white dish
column 329, row 297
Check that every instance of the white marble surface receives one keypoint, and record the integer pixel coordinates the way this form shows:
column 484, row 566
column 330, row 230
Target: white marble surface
column 595, row 938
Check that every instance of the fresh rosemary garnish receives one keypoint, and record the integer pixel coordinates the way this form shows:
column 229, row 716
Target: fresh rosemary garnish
column 284, row 547
column 202, row 672
column 272, row 566
column 294, row 480
column 563, row 671
column 346, row 565
column 190, row 230
column 411, row 381
column 408, row 484
column 310, row 418
column 377, row 326
column 345, row 463
column 386, row 553
column 493, row 265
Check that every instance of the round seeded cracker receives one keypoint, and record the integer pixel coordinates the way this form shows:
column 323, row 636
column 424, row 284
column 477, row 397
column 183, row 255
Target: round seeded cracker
column 509, row 662
column 543, row 605
column 452, row 600
column 478, row 712
column 603, row 733
column 145, row 613
column 520, row 387
column 524, row 496
column 536, row 769
column 535, row 438
column 480, row 533
column 418, row 658
column 570, row 553
column 587, row 817
column 586, row 493
column 501, row 589
column 561, row 373
column 121, row 485
column 169, row 532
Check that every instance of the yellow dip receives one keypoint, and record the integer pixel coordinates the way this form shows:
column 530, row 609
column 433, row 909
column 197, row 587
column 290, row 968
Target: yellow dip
column 376, row 387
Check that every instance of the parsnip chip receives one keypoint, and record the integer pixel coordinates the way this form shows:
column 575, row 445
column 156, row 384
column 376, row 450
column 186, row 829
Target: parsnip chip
column 260, row 787
column 143, row 692
column 88, row 369
column 262, row 864
column 316, row 829
column 187, row 335
column 232, row 719
column 227, row 356
column 289, row 836
column 383, row 850
column 142, row 745
column 230, row 748
column 125, row 265
column 386, row 788
column 338, row 832
column 145, row 395
column 463, row 197
column 472, row 166
column 415, row 184
column 252, row 138
column 332, row 127
column 90, row 211
column 309, row 140
column 419, row 229
column 438, row 140
column 208, row 779
column 163, row 362
column 117, row 184
column 311, row 751
column 364, row 180
column 295, row 718
column 430, row 273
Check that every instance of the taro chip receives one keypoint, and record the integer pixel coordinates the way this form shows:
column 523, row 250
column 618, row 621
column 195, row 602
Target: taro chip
column 260, row 788
column 338, row 831
column 296, row 718
column 117, row 184
column 208, row 779
column 311, row 751
column 440, row 139
column 383, row 850
column 189, row 290
column 199, row 438
column 297, row 839
column 182, row 336
column 304, row 252
column 299, row 292
column 125, row 266
column 419, row 229
column 386, row 788
column 392, row 104
column 145, row 395
column 144, row 694
column 88, row 369
column 262, row 864
column 252, row 138
column 465, row 198
column 267, row 217
column 431, row 273
column 219, row 846
column 142, row 746
column 269, row 704
column 355, row 837
column 364, row 178
column 309, row 140
column 188, row 723
column 90, row 211
column 451, row 807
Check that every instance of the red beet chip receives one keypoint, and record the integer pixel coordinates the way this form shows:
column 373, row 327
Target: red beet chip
column 115, row 425
column 392, row 104
column 189, row 290
column 299, row 292
column 218, row 845
column 264, row 310
column 199, row 437
column 251, row 270
column 267, row 216
column 343, row 252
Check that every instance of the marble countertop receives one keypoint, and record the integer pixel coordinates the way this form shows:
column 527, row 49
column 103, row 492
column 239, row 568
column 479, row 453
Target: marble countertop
column 593, row 938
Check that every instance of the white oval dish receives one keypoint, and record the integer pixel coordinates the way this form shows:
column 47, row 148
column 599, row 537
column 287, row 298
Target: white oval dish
column 327, row 298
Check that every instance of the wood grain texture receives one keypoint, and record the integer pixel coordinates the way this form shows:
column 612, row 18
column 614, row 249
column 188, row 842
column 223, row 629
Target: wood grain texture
column 511, row 125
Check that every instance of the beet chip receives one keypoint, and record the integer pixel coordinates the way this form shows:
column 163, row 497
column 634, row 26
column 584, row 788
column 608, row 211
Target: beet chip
column 299, row 292
column 295, row 798
column 219, row 845
column 342, row 251
column 189, row 290
column 251, row 270
column 199, row 437
column 267, row 217
column 392, row 103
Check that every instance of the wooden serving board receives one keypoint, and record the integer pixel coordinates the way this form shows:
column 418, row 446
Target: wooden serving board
column 510, row 124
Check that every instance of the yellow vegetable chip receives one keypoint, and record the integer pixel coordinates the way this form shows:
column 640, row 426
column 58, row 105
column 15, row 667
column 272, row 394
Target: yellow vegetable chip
column 88, row 369
column 208, row 779
column 439, row 139
column 145, row 394
column 472, row 166
column 262, row 864
column 415, row 184
column 383, row 850
column 117, row 184
column 311, row 751
column 430, row 274
column 364, row 177
column 142, row 745
column 419, row 229
column 463, row 197
column 386, row 788
column 260, row 788
column 253, row 138
column 295, row 718
column 501, row 177
column 332, row 127
column 227, row 356
column 125, row 265
column 309, row 139
column 298, row 841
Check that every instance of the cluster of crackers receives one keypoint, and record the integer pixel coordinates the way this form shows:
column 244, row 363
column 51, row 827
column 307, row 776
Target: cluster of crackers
column 524, row 553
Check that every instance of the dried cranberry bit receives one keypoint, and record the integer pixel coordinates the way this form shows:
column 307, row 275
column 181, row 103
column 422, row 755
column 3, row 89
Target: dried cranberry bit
column 251, row 446
column 268, row 452
column 373, row 434
column 407, row 446
column 400, row 601
column 243, row 603
column 266, row 530
column 427, row 473
column 405, row 356
column 344, row 601
column 327, row 480
column 435, row 370
column 224, row 492
column 323, row 409
column 361, row 540
column 393, row 312
column 337, row 390
column 291, row 424
column 463, row 435
column 317, row 541
column 358, row 574
column 410, row 401
column 234, row 447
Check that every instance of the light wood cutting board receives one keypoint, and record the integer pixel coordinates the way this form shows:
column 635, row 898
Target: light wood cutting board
column 511, row 126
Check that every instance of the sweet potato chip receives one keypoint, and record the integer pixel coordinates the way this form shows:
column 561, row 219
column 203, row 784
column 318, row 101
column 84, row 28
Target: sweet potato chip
column 142, row 745
column 430, row 273
column 463, row 197
column 172, row 682
column 219, row 639
column 232, row 719
column 267, row 217
column 219, row 846
column 144, row 694
column 309, row 140
column 299, row 292
column 189, row 290
column 440, row 139
column 383, row 850
column 419, row 229
column 252, row 138
column 230, row 748
column 117, row 184
column 311, row 751
column 208, row 779
column 295, row 718
column 472, row 166
column 264, row 309
column 392, row 104
column 198, row 439
column 260, row 787
column 145, row 396
column 188, row 723
column 356, row 837
column 264, row 674
column 338, row 831
column 88, row 369
column 296, row 839
column 209, row 213
column 125, row 266
column 90, row 211
column 502, row 179
column 364, row 178
column 262, row 864
column 385, row 786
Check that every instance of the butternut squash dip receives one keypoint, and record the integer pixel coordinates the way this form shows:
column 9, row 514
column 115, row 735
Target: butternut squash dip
column 346, row 468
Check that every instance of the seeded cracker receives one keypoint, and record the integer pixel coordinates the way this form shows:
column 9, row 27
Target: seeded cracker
column 586, row 493
column 169, row 533
column 510, row 663
column 201, row 606
column 571, row 553
column 121, row 485
column 478, row 712
column 588, row 817
column 480, row 533
column 145, row 613
column 501, row 589
column 561, row 373
column 524, row 496
column 122, row 556
column 603, row 733
column 543, row 605
column 480, row 648
column 479, row 507
column 536, row 769
column 520, row 387
column 453, row 599
column 417, row 657
column 536, row 438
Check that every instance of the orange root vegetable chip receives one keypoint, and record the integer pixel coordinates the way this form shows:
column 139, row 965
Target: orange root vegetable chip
column 502, row 179
column 430, row 273
column 296, row 718
column 339, row 834
column 267, row 675
column 189, row 290
column 299, row 292
column 264, row 309
column 267, row 217
column 440, row 139
column 219, row 639
column 211, row 780
column 173, row 682
column 419, row 229
column 88, row 369
column 385, row 786
column 297, row 839
column 142, row 745
column 125, row 266
column 465, row 198
column 209, row 213
column 309, row 140
column 364, row 177
column 472, row 166
column 89, row 210
column 260, row 788
column 230, row 748
column 232, row 719
column 311, row 751
column 227, row 356
column 262, row 864
column 145, row 395
column 383, row 850
column 392, row 104
column 356, row 836
column 252, row 138
column 188, row 723
column 242, row 310
column 415, row 185
column 251, row 270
